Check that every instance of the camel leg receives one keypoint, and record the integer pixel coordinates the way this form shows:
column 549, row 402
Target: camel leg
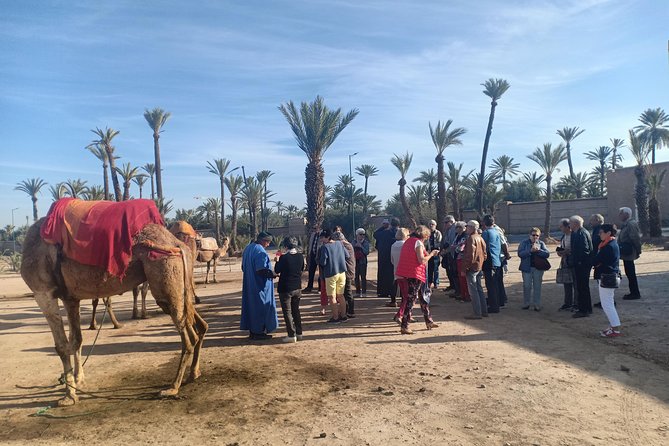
column 76, row 340
column 206, row 275
column 135, row 295
column 94, row 325
column 187, row 349
column 145, row 290
column 201, row 326
column 110, row 310
column 213, row 279
column 49, row 306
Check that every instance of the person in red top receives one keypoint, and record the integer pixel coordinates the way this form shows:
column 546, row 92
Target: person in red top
column 413, row 259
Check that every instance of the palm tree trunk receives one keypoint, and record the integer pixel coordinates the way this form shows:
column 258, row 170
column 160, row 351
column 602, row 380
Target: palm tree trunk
column 484, row 157
column 222, row 203
column 153, row 189
column 441, row 192
column 571, row 168
column 126, row 190
column 233, row 223
column 655, row 221
column 653, row 159
column 314, row 187
column 641, row 198
column 114, row 176
column 405, row 205
column 549, row 199
column 159, row 173
column 218, row 227
column 140, row 191
column 34, row 199
column 105, row 180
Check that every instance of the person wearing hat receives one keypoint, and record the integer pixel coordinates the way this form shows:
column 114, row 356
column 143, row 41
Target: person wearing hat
column 259, row 315
column 361, row 249
column 385, row 237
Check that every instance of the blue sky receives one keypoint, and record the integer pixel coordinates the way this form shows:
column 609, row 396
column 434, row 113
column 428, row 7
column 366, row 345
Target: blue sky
column 223, row 67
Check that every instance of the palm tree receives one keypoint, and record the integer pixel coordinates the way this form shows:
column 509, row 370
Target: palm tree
column 291, row 210
column 549, row 158
column 315, row 127
column 504, row 166
column 366, row 171
column 402, row 163
column 139, row 180
column 416, row 195
column 105, row 140
column 252, row 193
column 213, row 206
column 616, row 157
column 280, row 206
column 234, row 184
column 428, row 178
column 164, row 206
column 219, row 167
column 150, row 169
column 654, row 216
column 455, row 180
column 57, row 191
column 127, row 172
column 32, row 187
column 576, row 185
column 601, row 155
column 568, row 134
column 94, row 193
column 443, row 137
column 99, row 151
column 156, row 118
column 494, row 89
column 262, row 177
column 75, row 188
column 654, row 129
column 640, row 152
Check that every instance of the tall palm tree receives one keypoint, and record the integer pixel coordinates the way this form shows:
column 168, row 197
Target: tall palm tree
column 234, row 184
column 576, row 185
column 252, row 194
column 455, row 180
column 280, row 206
column 94, row 193
column 219, row 167
column 315, row 127
column 57, row 191
column 32, row 187
column 503, row 166
column 127, row 172
column 139, row 180
column 213, row 206
column 568, row 134
column 366, row 171
column 494, row 89
column 616, row 157
column 150, row 169
column 601, row 155
column 262, row 178
column 428, row 178
column 402, row 163
column 417, row 193
column 76, row 188
column 99, row 151
column 533, row 181
column 105, row 140
column 640, row 152
column 443, row 137
column 156, row 119
column 654, row 216
column 654, row 129
column 549, row 158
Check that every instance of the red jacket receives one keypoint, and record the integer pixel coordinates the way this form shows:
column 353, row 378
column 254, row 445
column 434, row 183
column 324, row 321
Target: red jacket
column 409, row 266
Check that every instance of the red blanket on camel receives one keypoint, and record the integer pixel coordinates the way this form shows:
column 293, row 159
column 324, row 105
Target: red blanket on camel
column 98, row 233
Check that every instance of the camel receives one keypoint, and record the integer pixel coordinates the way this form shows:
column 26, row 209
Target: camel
column 157, row 257
column 143, row 288
column 209, row 252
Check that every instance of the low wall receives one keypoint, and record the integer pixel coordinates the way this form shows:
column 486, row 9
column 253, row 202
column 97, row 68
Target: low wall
column 620, row 187
column 518, row 218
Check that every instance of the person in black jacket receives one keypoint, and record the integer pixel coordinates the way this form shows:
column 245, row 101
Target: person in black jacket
column 607, row 261
column 290, row 266
column 581, row 251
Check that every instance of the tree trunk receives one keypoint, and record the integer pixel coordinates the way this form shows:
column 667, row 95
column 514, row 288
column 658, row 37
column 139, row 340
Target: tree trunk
column 655, row 218
column 153, row 189
column 114, row 176
column 140, row 191
column 405, row 205
column 34, row 199
column 549, row 199
column 653, row 160
column 218, row 227
column 159, row 173
column 126, row 190
column 314, row 186
column 441, row 192
column 233, row 223
column 571, row 168
column 641, row 198
column 105, row 180
column 484, row 157
column 222, row 203
column 455, row 198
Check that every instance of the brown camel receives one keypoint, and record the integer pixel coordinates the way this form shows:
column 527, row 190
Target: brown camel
column 157, row 257
column 209, row 253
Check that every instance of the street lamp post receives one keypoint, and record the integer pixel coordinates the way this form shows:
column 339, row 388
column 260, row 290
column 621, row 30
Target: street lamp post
column 350, row 174
column 13, row 232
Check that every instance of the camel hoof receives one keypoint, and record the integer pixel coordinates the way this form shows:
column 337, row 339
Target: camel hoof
column 193, row 376
column 93, row 327
column 68, row 400
column 214, row 281
column 135, row 316
column 197, row 300
column 144, row 316
column 117, row 326
column 168, row 392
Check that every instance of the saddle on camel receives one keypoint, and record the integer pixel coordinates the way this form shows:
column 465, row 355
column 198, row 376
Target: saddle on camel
column 87, row 250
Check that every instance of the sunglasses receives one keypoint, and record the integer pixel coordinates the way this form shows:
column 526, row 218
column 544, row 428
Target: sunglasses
column 535, row 235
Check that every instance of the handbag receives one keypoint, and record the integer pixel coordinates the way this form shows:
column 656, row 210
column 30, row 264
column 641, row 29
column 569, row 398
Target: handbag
column 427, row 293
column 609, row 280
column 540, row 263
column 564, row 275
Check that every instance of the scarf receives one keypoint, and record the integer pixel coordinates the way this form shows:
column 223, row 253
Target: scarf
column 604, row 243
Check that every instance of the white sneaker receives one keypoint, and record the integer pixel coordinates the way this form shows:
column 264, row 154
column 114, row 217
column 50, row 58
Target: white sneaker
column 299, row 337
column 289, row 339
column 364, row 294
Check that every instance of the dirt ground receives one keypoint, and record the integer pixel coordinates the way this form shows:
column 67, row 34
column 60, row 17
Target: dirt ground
column 516, row 378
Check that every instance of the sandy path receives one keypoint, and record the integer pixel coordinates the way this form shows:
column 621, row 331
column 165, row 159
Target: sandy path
column 518, row 378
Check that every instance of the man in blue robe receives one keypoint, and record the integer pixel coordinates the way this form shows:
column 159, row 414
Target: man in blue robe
column 258, row 305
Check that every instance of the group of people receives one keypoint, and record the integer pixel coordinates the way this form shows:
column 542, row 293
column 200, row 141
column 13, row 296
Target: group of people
column 408, row 267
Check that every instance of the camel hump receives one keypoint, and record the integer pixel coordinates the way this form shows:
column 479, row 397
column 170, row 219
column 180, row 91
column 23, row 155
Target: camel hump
column 182, row 227
column 208, row 244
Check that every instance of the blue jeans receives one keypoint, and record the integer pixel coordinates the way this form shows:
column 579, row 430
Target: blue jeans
column 532, row 287
column 479, row 304
column 433, row 271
